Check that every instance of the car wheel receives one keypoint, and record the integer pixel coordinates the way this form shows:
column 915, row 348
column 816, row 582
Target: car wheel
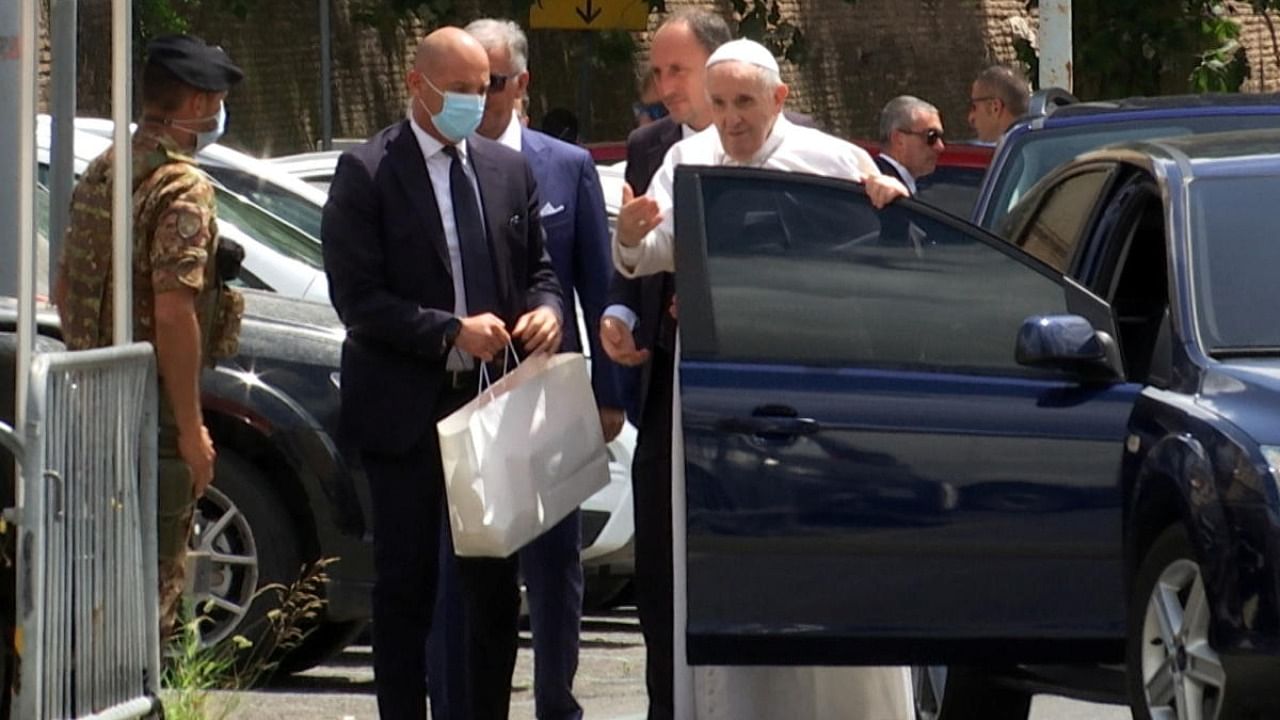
column 246, row 532
column 959, row 693
column 321, row 643
column 1172, row 670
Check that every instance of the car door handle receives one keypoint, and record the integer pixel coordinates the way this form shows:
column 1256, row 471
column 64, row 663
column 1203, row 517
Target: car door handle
column 773, row 428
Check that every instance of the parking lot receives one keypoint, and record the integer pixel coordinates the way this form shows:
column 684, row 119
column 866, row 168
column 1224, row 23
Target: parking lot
column 610, row 684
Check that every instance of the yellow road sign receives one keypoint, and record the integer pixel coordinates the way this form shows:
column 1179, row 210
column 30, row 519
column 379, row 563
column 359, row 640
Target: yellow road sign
column 589, row 14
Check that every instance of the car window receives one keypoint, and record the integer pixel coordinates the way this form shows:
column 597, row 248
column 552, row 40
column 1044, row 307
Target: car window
column 1234, row 258
column 282, row 203
column 268, row 229
column 953, row 189
column 1035, row 154
column 1058, row 220
column 804, row 271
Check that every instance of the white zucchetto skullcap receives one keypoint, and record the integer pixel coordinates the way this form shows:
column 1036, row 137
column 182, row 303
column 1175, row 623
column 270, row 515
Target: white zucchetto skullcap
column 747, row 51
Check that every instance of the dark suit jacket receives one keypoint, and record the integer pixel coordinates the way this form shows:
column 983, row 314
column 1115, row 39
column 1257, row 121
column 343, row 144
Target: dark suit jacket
column 887, row 168
column 390, row 280
column 577, row 231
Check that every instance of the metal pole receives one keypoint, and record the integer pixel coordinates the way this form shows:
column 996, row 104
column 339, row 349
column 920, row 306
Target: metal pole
column 122, row 203
column 28, row 36
column 62, row 36
column 326, row 77
column 1055, row 44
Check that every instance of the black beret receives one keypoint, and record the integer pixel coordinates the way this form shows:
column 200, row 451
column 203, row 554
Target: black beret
column 204, row 67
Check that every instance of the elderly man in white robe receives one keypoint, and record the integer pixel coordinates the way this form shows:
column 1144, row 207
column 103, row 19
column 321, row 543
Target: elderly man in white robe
column 749, row 130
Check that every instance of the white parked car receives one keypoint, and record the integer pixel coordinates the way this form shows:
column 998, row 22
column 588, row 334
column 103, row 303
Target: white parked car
column 278, row 256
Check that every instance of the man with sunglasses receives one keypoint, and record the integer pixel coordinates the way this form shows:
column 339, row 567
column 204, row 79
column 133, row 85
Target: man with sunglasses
column 998, row 97
column 911, row 139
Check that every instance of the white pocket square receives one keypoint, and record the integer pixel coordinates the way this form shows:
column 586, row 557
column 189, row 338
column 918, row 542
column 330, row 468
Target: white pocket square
column 548, row 210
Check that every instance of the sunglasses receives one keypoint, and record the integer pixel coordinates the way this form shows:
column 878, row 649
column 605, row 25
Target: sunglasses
column 498, row 83
column 931, row 136
column 655, row 111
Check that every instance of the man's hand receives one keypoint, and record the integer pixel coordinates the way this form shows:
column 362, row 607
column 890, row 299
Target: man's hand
column 611, row 420
column 637, row 217
column 883, row 190
column 482, row 336
column 539, row 331
column 196, row 449
column 619, row 343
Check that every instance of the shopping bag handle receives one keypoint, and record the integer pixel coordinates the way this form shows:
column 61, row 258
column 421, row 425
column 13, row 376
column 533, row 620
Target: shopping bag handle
column 508, row 356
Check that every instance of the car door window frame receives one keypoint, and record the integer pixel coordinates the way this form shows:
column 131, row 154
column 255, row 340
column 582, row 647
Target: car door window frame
column 698, row 332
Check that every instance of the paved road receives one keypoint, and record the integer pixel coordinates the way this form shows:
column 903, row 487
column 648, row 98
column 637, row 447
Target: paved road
column 610, row 684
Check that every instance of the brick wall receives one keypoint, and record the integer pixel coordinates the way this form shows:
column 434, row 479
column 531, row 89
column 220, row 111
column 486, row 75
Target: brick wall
column 860, row 55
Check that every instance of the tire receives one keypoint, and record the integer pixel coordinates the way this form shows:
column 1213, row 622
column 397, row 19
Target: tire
column 323, row 642
column 242, row 520
column 1169, row 587
column 961, row 693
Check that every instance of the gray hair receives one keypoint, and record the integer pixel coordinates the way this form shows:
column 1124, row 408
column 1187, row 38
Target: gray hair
column 493, row 34
column 708, row 28
column 1007, row 84
column 899, row 114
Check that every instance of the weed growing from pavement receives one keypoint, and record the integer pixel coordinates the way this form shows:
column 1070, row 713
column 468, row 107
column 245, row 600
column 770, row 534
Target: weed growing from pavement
column 193, row 669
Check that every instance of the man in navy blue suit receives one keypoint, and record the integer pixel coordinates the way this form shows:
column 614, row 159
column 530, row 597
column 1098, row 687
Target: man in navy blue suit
column 573, row 216
column 435, row 259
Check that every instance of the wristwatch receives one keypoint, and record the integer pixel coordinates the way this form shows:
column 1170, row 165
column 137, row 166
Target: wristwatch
column 451, row 330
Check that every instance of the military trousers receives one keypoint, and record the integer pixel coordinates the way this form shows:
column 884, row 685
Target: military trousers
column 175, row 509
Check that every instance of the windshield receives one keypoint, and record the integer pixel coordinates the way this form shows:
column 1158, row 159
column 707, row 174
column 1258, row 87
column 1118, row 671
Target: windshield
column 279, row 201
column 1235, row 253
column 1035, row 154
column 269, row 229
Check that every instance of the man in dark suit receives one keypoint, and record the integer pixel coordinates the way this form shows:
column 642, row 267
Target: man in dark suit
column 639, row 330
column 435, row 259
column 911, row 139
column 577, row 236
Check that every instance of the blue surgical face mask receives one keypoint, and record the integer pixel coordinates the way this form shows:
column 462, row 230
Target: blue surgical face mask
column 205, row 138
column 459, row 116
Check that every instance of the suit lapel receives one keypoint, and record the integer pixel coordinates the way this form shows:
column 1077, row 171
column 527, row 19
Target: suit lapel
column 669, row 136
column 493, row 191
column 411, row 169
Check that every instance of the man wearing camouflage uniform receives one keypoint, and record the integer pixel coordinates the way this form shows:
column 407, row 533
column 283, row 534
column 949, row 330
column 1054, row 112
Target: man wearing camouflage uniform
column 180, row 303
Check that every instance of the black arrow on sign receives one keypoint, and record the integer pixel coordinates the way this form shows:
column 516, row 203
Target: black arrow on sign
column 589, row 14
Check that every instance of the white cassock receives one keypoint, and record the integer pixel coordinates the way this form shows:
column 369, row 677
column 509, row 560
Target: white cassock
column 743, row 693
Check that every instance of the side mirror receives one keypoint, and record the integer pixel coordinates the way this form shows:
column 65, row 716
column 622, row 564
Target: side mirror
column 1068, row 342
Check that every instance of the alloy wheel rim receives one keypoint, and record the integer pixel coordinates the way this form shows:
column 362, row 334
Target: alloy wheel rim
column 1182, row 676
column 927, row 683
column 223, row 532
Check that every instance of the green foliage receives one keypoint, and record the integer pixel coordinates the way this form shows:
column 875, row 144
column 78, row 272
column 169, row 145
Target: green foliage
column 1154, row 47
column 193, row 669
column 152, row 18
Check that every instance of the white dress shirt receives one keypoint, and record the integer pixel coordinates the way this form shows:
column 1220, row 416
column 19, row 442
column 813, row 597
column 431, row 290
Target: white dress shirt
column 789, row 147
column 438, row 170
column 907, row 178
column 511, row 136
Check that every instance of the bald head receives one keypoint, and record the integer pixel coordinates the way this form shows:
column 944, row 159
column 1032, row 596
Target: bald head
column 451, row 61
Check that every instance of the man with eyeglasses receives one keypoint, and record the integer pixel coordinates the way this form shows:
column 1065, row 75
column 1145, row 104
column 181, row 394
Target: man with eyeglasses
column 577, row 238
column 911, row 139
column 998, row 97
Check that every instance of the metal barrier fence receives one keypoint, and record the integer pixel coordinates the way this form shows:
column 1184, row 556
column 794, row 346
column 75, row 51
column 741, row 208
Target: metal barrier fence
column 88, row 634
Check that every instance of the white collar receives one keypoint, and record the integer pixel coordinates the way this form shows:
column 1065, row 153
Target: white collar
column 907, row 178
column 511, row 136
column 781, row 126
column 686, row 131
column 430, row 145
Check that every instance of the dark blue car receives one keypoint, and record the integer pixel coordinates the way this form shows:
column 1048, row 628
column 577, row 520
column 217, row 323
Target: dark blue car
column 1057, row 129
column 1041, row 461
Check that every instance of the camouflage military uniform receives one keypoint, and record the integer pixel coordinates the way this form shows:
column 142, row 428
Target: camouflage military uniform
column 175, row 239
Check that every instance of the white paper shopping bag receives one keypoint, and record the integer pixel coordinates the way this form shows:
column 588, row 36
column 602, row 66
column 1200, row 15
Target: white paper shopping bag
column 522, row 455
